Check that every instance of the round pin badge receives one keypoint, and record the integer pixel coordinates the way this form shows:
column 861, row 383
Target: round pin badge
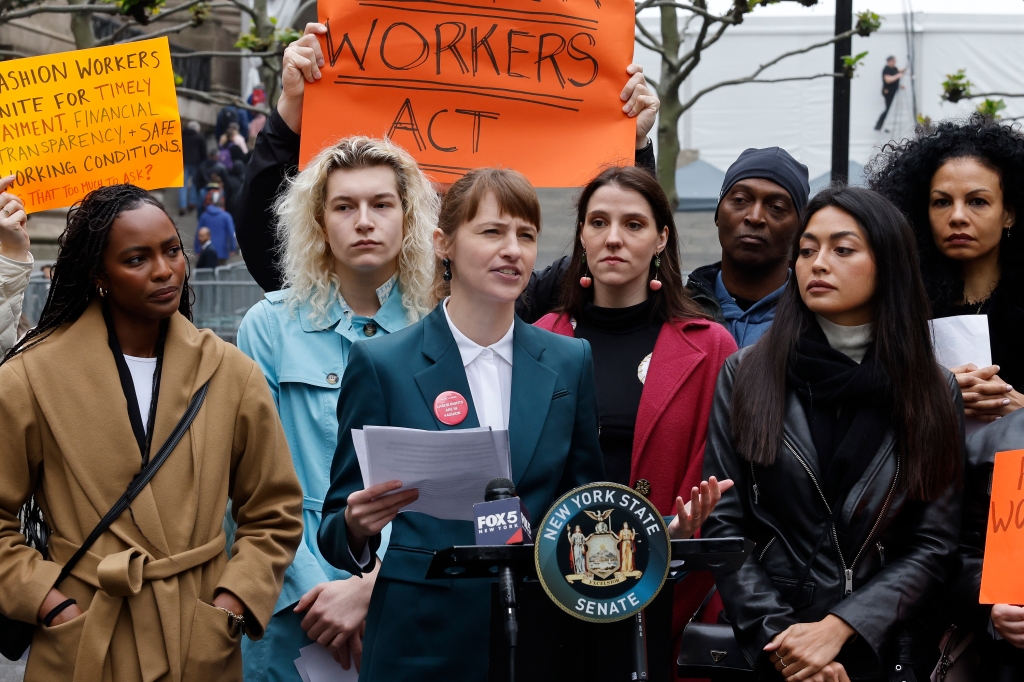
column 450, row 408
column 641, row 370
column 602, row 552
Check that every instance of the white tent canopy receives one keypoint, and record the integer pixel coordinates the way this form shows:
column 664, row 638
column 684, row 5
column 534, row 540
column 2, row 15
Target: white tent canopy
column 936, row 34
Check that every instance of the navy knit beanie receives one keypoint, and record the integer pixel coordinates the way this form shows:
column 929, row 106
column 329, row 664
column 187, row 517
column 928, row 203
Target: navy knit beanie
column 774, row 164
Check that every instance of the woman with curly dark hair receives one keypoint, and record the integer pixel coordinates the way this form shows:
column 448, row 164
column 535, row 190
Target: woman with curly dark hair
column 962, row 187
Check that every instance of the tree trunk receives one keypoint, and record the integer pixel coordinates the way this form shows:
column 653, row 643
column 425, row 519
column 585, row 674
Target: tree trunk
column 671, row 107
column 265, row 30
column 81, row 28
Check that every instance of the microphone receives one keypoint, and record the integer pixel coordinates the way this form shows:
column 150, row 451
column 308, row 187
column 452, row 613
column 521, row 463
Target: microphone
column 502, row 519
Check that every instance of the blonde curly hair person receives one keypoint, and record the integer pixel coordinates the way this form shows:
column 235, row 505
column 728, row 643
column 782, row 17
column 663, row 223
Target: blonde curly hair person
column 306, row 258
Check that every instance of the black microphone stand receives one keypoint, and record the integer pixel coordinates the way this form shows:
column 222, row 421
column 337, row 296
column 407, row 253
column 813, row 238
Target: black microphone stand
column 503, row 489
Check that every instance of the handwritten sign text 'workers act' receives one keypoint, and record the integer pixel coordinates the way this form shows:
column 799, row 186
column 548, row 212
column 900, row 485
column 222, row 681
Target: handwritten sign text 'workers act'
column 74, row 121
column 526, row 84
column 1004, row 543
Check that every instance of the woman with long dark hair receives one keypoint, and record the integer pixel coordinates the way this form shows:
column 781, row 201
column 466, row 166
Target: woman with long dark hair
column 843, row 437
column 95, row 389
column 962, row 187
column 656, row 354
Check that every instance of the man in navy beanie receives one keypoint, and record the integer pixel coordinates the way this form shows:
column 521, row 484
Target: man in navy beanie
column 763, row 196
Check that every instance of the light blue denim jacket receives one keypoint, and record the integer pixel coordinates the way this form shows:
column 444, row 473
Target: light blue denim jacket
column 303, row 361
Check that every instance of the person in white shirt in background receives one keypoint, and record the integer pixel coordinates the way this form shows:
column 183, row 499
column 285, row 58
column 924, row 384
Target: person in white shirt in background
column 15, row 263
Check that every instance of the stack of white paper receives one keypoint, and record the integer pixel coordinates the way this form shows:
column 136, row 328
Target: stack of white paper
column 449, row 468
column 316, row 664
column 960, row 340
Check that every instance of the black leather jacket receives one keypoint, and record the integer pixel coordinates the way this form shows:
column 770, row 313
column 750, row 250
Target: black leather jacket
column 883, row 556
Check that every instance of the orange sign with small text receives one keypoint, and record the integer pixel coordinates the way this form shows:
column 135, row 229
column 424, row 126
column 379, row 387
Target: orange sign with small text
column 526, row 84
column 74, row 121
column 1004, row 543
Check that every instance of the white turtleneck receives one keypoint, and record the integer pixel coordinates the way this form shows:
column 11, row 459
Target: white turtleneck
column 852, row 342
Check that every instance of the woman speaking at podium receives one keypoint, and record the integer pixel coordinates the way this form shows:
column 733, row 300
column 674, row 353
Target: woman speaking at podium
column 513, row 376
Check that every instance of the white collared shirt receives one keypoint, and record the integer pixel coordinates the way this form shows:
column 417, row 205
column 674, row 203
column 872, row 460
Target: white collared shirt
column 489, row 372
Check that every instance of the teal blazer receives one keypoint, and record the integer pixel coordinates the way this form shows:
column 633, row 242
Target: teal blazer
column 420, row 629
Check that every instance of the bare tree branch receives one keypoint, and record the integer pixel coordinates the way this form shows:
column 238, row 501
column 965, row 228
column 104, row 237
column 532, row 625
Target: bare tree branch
column 751, row 79
column 245, row 8
column 802, row 50
column 710, row 16
column 692, row 62
column 178, row 28
column 237, row 55
column 183, row 8
column 986, row 95
column 700, row 47
column 219, row 98
column 650, row 36
column 652, row 47
column 59, row 9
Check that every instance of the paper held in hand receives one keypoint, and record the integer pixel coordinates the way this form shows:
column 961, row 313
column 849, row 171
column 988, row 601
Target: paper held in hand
column 960, row 340
column 449, row 468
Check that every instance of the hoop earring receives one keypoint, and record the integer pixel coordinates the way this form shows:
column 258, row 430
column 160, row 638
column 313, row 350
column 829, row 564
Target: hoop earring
column 656, row 283
column 586, row 280
column 447, row 263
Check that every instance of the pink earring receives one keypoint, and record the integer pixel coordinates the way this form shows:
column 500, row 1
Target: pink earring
column 656, row 283
column 585, row 280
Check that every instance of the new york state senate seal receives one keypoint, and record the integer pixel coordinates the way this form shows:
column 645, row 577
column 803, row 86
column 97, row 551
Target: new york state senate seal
column 602, row 552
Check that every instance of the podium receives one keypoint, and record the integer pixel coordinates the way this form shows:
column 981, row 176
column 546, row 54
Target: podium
column 553, row 644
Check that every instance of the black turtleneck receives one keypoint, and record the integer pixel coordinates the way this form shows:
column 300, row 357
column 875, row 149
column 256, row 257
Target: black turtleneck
column 620, row 339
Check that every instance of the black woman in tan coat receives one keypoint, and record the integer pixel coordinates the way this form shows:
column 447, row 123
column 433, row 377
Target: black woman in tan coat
column 85, row 399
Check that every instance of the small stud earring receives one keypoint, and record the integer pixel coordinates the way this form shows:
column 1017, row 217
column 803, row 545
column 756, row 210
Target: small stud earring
column 447, row 263
column 101, row 291
column 586, row 280
column 656, row 283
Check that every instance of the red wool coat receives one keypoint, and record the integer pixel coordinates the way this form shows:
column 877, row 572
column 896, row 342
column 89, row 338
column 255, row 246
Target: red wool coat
column 671, row 428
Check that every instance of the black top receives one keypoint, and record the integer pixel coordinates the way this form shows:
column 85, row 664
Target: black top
column 275, row 158
column 620, row 339
column 890, row 71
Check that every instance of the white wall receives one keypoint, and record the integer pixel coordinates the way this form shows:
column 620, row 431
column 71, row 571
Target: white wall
column 798, row 115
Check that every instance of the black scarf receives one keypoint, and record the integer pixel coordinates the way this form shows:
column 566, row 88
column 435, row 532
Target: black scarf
column 847, row 408
column 143, row 435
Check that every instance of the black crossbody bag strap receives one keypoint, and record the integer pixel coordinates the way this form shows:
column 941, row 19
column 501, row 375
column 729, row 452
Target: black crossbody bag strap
column 139, row 482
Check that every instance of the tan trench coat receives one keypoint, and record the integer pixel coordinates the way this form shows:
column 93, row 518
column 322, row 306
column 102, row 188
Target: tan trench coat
column 147, row 583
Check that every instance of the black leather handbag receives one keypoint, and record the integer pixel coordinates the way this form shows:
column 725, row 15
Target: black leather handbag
column 16, row 635
column 711, row 650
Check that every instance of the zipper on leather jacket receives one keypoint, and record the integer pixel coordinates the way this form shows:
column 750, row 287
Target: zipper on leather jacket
column 765, row 550
column 881, row 515
column 881, row 552
column 757, row 493
column 848, row 572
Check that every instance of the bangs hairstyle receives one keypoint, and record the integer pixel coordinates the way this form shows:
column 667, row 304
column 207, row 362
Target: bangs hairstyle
column 306, row 259
column 515, row 195
column 924, row 416
column 671, row 302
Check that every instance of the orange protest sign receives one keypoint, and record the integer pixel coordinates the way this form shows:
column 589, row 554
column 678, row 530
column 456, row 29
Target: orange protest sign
column 526, row 84
column 1004, row 543
column 74, row 121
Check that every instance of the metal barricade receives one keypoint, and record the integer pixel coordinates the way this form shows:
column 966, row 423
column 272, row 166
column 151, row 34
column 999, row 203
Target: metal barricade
column 218, row 304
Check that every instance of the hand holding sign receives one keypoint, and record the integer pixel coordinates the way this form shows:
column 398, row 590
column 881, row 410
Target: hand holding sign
column 14, row 240
column 468, row 84
column 1004, row 543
